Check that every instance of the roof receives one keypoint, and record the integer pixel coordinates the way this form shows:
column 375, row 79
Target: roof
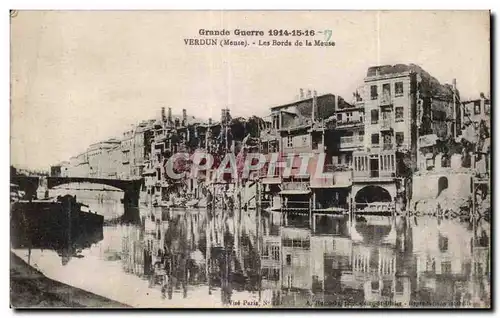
column 486, row 100
column 429, row 86
column 301, row 101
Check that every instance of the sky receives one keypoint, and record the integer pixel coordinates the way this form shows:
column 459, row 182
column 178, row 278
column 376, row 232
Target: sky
column 78, row 77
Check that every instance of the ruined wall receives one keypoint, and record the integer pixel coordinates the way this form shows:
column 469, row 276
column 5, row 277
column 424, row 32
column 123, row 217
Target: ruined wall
column 426, row 186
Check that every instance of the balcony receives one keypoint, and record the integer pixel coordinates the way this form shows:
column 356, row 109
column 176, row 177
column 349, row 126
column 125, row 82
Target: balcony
column 388, row 146
column 270, row 179
column 386, row 101
column 160, row 138
column 351, row 142
column 346, row 124
column 386, row 124
column 374, row 175
column 336, row 179
column 295, row 187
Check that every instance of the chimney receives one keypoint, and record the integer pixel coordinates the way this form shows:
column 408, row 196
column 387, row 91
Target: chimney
column 222, row 115
column 453, row 108
column 163, row 117
column 308, row 93
column 301, row 93
column 210, row 121
column 314, row 106
column 184, row 117
column 170, row 115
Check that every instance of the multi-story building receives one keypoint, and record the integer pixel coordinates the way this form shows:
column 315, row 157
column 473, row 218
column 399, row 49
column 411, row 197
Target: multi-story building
column 475, row 111
column 141, row 152
column 349, row 128
column 112, row 164
column 401, row 103
column 127, row 147
column 99, row 159
column 79, row 166
column 476, row 128
column 297, row 128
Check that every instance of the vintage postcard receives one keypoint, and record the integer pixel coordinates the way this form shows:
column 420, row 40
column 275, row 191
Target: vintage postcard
column 256, row 159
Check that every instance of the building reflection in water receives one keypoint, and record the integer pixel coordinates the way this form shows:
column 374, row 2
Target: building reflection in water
column 378, row 261
column 367, row 261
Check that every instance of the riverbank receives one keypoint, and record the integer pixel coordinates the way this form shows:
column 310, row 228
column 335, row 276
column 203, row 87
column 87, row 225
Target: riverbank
column 29, row 288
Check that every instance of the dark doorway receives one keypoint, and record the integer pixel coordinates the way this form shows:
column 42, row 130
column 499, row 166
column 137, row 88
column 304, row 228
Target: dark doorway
column 374, row 167
column 442, row 184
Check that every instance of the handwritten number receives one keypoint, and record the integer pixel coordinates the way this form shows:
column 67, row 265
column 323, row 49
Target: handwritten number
column 328, row 35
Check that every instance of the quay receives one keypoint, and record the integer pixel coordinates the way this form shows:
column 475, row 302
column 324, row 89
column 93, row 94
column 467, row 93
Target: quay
column 31, row 289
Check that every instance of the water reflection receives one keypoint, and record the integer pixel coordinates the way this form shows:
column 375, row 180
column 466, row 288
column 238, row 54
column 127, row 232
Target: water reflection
column 195, row 258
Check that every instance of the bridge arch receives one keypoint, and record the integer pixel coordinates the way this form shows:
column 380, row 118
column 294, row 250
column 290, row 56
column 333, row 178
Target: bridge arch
column 130, row 188
column 104, row 186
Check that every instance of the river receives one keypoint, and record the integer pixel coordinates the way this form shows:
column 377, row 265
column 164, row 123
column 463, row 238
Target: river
column 368, row 261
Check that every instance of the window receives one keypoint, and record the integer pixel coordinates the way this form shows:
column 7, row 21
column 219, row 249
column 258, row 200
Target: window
column 289, row 259
column 276, row 122
column 438, row 115
column 348, row 159
column 400, row 288
column 386, row 115
column 373, row 92
column 374, row 114
column 477, row 107
column 487, row 108
column 265, row 252
column 400, row 138
column 443, row 243
column 289, row 142
column 339, row 117
column 398, row 89
column 375, row 139
column 446, row 267
column 275, row 252
column 386, row 91
column 399, row 114
column 386, row 288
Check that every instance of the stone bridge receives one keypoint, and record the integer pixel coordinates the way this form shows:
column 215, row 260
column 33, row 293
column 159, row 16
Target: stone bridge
column 130, row 188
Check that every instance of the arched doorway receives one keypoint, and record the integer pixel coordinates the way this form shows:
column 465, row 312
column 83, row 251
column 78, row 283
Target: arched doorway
column 370, row 194
column 442, row 185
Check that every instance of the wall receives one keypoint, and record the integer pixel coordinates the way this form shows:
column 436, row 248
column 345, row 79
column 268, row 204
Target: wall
column 300, row 143
column 426, row 186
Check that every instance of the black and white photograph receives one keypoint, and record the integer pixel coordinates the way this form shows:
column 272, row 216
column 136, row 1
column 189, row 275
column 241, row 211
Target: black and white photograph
column 250, row 159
